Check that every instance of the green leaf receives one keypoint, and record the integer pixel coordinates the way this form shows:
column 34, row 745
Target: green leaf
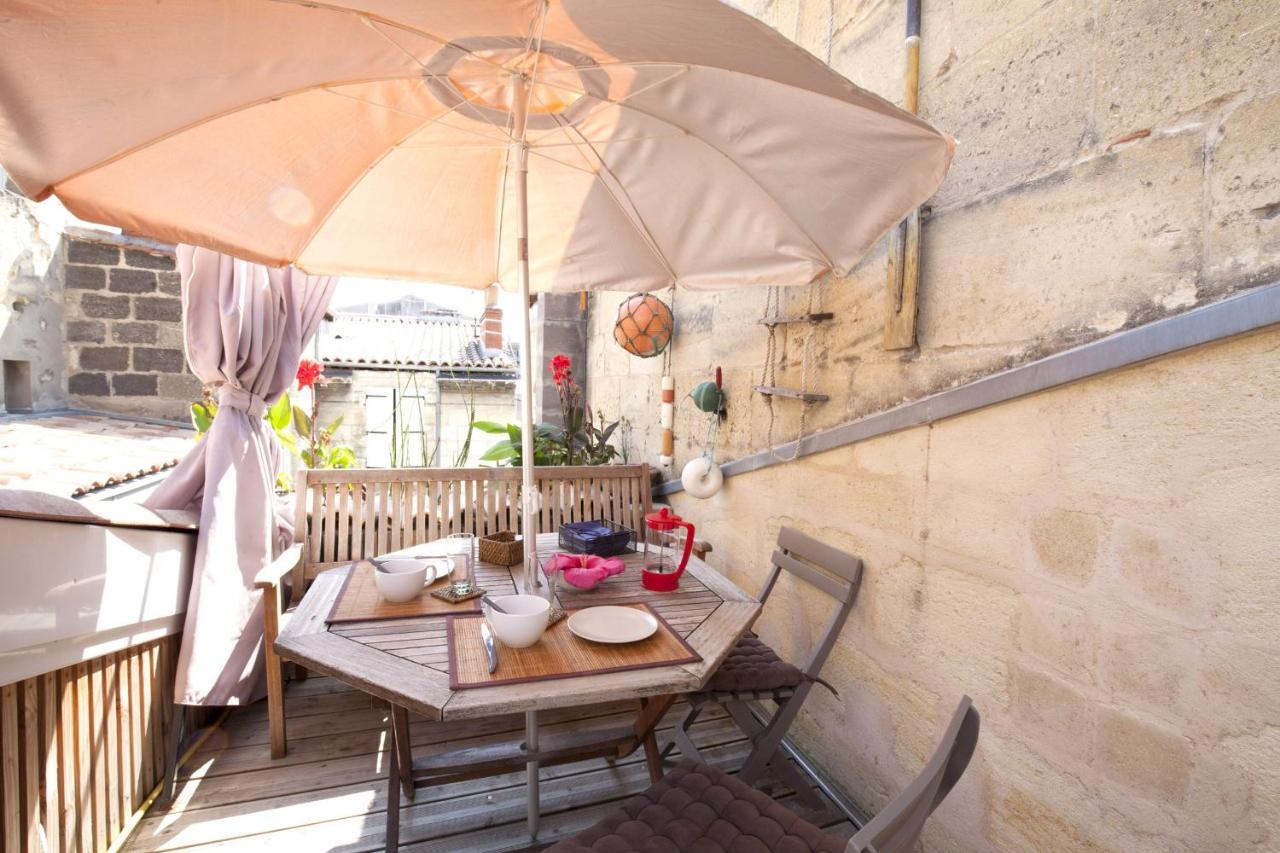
column 279, row 414
column 333, row 427
column 491, row 427
column 502, row 450
column 301, row 421
column 342, row 457
column 202, row 416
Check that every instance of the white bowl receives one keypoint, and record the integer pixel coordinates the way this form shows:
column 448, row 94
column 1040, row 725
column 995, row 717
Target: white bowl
column 524, row 622
column 400, row 579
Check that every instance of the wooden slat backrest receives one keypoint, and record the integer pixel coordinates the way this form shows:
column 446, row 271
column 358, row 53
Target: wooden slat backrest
column 343, row 515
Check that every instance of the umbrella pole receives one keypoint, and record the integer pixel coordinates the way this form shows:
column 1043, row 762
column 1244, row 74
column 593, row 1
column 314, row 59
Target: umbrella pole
column 520, row 156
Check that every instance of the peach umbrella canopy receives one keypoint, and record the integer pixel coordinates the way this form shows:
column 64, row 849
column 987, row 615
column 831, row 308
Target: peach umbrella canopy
column 669, row 141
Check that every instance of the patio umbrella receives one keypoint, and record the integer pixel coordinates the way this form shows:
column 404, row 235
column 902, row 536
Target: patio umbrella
column 568, row 145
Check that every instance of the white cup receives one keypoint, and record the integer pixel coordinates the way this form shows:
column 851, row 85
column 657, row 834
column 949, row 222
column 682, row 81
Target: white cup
column 524, row 622
column 400, row 579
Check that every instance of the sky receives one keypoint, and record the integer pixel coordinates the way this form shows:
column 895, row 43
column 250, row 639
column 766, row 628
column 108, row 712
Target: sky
column 353, row 291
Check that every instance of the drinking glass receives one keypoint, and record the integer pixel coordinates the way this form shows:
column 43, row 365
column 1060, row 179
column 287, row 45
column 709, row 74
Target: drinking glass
column 462, row 547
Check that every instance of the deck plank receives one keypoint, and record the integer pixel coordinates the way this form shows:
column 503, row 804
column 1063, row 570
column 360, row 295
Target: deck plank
column 329, row 792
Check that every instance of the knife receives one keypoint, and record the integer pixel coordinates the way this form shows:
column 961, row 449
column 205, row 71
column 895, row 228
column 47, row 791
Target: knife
column 486, row 637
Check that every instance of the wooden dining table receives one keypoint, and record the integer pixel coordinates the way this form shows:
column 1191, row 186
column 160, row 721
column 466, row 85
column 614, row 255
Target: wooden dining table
column 405, row 661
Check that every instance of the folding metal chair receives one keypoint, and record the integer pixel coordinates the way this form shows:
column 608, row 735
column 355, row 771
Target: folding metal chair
column 697, row 807
column 754, row 672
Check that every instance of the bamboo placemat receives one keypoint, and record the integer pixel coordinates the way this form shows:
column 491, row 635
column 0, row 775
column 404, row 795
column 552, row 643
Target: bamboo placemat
column 359, row 600
column 559, row 654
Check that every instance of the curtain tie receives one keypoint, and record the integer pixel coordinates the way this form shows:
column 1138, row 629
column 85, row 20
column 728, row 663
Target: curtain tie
column 237, row 398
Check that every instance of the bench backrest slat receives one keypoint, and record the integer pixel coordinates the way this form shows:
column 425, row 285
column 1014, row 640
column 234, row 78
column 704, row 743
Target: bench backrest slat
column 346, row 514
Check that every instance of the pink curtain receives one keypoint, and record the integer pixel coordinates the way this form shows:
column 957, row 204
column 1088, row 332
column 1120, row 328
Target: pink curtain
column 245, row 327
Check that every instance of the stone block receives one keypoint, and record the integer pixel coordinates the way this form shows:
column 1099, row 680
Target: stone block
column 182, row 386
column 1062, row 636
column 1065, row 543
column 1161, row 63
column 1242, row 245
column 133, row 385
column 969, row 631
column 86, row 331
column 88, row 384
column 1144, row 755
column 1163, row 567
column 170, row 335
column 82, row 252
column 159, row 308
column 1053, row 261
column 85, row 278
column 148, row 260
column 104, row 307
column 1020, row 107
column 1050, row 712
column 170, row 283
column 1155, row 669
column 104, row 358
column 132, row 281
column 133, row 333
column 157, row 360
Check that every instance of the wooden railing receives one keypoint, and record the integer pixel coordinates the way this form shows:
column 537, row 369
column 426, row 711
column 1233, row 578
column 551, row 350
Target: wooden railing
column 84, row 746
column 356, row 513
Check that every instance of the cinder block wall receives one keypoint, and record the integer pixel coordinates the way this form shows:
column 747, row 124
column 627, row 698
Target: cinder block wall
column 1096, row 565
column 123, row 315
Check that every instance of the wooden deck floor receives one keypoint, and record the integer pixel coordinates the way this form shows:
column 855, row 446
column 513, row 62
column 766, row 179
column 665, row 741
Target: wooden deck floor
column 328, row 793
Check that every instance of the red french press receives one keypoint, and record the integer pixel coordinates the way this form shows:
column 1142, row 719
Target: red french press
column 661, row 573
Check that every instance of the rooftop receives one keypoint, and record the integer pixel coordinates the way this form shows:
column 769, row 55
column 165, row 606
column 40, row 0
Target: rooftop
column 375, row 341
column 73, row 454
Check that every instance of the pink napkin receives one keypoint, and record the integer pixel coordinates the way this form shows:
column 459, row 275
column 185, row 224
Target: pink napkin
column 585, row 571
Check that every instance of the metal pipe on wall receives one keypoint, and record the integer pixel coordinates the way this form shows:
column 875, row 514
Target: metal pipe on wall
column 904, row 241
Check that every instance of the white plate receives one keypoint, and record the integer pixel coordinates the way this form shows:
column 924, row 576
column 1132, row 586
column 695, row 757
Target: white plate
column 612, row 624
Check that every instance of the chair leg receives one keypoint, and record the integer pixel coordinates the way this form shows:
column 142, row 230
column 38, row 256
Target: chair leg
column 400, row 746
column 680, row 738
column 275, row 673
column 766, row 743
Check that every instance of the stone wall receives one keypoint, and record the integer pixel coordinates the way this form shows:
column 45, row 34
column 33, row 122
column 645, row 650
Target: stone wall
column 31, row 302
column 1093, row 565
column 123, row 314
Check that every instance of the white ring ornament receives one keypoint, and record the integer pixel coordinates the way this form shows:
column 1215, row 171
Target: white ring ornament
column 701, row 477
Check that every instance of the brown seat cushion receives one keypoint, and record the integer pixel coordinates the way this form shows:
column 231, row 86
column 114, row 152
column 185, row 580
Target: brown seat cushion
column 753, row 666
column 699, row 809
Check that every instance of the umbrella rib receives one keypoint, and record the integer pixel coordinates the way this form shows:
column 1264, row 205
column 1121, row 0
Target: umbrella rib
column 426, row 118
column 640, row 227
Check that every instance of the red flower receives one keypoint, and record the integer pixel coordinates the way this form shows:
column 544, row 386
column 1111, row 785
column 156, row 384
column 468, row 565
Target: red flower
column 308, row 372
column 560, row 368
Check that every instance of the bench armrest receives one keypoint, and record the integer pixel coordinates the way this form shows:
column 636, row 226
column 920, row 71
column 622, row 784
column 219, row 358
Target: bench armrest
column 274, row 571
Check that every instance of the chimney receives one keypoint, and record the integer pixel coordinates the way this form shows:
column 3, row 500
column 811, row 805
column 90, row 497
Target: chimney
column 491, row 320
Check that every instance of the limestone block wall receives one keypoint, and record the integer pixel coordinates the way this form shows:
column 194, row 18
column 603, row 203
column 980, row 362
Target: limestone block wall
column 1094, row 565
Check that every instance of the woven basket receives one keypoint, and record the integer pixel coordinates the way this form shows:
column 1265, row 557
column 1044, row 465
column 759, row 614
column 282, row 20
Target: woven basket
column 503, row 548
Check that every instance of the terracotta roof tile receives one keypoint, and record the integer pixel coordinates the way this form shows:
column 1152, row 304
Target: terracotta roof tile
column 74, row 453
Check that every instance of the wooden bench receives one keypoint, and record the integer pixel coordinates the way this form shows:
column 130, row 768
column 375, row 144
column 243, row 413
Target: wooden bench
column 347, row 515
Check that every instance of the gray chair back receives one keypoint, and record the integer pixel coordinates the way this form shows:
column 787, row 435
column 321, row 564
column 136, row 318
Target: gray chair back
column 829, row 569
column 897, row 827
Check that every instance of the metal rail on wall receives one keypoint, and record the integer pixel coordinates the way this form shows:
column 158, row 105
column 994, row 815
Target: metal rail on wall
column 1236, row 315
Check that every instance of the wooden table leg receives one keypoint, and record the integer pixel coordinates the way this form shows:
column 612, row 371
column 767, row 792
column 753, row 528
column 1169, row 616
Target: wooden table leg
column 652, row 710
column 400, row 745
column 531, row 773
column 393, row 795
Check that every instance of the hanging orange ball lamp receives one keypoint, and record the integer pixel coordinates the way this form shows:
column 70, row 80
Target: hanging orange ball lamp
column 644, row 325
